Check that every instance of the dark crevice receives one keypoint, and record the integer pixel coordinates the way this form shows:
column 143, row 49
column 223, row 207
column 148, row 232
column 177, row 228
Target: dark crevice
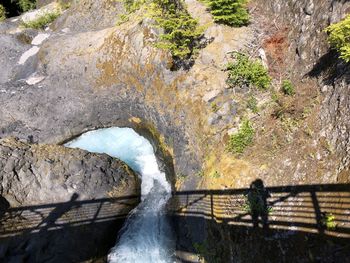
column 15, row 7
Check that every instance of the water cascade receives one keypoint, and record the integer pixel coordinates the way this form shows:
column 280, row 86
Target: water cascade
column 146, row 235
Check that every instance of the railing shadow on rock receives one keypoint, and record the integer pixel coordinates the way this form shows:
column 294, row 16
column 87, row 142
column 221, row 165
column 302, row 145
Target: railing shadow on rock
column 72, row 231
column 47, row 217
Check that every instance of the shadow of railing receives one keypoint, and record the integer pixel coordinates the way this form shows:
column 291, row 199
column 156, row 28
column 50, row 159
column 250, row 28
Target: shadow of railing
column 36, row 218
column 72, row 231
column 308, row 208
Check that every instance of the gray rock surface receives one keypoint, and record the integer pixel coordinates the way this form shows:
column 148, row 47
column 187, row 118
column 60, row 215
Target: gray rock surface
column 33, row 174
column 96, row 75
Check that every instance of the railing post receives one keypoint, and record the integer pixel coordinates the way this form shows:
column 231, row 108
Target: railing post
column 318, row 215
column 212, row 206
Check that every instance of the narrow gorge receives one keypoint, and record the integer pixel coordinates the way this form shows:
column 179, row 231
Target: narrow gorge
column 175, row 131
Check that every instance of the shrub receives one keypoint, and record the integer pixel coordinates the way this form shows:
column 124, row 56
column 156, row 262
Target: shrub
column 252, row 104
column 243, row 138
column 42, row 21
column 229, row 12
column 245, row 71
column 328, row 221
column 25, row 5
column 133, row 5
column 339, row 38
column 2, row 13
column 288, row 88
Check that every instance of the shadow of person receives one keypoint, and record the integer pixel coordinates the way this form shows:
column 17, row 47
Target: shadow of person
column 58, row 212
column 257, row 199
column 4, row 206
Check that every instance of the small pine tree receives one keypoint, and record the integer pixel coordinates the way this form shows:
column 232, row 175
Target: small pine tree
column 229, row 12
column 2, row 13
column 339, row 38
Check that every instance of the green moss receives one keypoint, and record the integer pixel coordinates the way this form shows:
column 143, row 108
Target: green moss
column 2, row 13
column 288, row 88
column 42, row 21
column 339, row 38
column 229, row 12
column 245, row 71
column 243, row 138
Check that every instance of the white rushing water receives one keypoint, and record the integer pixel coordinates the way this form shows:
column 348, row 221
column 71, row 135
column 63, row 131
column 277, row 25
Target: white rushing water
column 146, row 235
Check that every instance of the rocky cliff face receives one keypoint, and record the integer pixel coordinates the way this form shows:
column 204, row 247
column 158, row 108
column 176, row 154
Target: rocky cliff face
column 94, row 70
column 55, row 199
column 309, row 56
column 292, row 35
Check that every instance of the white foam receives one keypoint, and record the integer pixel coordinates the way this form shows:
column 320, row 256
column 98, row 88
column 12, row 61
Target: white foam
column 40, row 39
column 28, row 54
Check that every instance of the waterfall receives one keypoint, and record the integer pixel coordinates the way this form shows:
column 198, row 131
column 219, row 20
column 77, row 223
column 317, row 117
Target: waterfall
column 146, row 235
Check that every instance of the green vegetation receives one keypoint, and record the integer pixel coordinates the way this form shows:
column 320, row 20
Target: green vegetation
column 64, row 5
column 201, row 249
column 25, row 5
column 42, row 21
column 215, row 175
column 122, row 19
column 200, row 173
column 214, row 107
column 252, row 104
column 207, row 253
column 133, row 5
column 339, row 38
column 289, row 124
column 181, row 32
column 328, row 221
column 229, row 12
column 2, row 13
column 288, row 88
column 243, row 138
column 245, row 71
